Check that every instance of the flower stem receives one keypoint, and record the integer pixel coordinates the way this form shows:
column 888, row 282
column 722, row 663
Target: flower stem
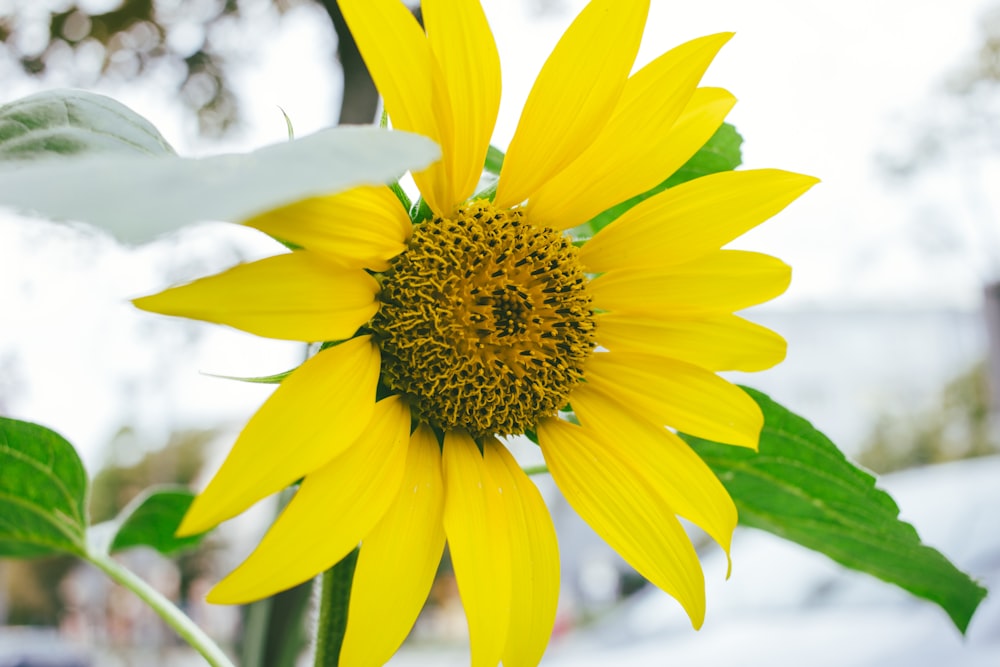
column 334, row 599
column 173, row 616
column 536, row 470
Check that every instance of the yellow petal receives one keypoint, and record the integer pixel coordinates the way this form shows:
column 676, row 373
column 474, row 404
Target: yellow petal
column 693, row 219
column 722, row 282
column 534, row 559
column 718, row 343
column 314, row 414
column 573, row 97
column 701, row 118
column 411, row 83
column 633, row 152
column 679, row 395
column 464, row 48
column 618, row 503
column 398, row 560
column 362, row 228
column 479, row 540
column 334, row 508
column 666, row 462
column 296, row 296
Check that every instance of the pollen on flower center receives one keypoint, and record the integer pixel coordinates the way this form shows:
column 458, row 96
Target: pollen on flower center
column 485, row 321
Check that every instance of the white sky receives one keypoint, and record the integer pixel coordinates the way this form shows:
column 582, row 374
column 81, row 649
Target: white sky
column 823, row 88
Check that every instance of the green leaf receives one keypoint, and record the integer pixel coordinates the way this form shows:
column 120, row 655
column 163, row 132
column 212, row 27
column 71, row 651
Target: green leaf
column 151, row 520
column 138, row 197
column 801, row 487
column 71, row 122
column 43, row 491
column 720, row 153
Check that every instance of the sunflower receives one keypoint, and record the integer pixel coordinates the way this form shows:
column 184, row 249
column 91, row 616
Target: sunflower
column 446, row 333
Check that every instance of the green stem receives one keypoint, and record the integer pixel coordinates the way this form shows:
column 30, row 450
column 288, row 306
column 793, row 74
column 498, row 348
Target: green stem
column 536, row 470
column 256, row 619
column 166, row 609
column 334, row 599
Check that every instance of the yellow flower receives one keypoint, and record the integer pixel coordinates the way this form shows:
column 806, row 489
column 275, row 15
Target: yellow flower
column 486, row 321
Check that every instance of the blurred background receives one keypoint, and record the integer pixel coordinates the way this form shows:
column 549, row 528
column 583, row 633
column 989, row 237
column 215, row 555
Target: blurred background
column 892, row 317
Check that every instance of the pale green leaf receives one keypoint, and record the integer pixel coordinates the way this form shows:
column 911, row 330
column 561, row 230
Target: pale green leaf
column 72, row 122
column 137, row 197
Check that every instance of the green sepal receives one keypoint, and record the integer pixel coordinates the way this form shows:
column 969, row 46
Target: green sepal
column 420, row 211
column 401, row 195
column 277, row 378
column 494, row 160
column 288, row 124
column 489, row 193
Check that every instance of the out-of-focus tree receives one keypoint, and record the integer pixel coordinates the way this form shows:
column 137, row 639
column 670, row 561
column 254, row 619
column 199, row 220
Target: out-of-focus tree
column 959, row 130
column 90, row 40
column 191, row 40
column 957, row 426
column 176, row 463
column 30, row 589
column 962, row 119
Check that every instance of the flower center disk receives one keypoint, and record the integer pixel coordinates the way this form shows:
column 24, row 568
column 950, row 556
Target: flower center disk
column 485, row 321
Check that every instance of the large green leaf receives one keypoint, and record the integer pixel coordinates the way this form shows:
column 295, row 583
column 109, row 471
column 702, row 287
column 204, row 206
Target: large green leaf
column 72, row 122
column 801, row 487
column 43, row 491
column 151, row 520
column 722, row 152
column 138, row 196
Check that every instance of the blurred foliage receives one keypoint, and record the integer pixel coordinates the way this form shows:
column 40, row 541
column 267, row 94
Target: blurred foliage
column 118, row 483
column 983, row 69
column 958, row 426
column 176, row 463
column 193, row 42
column 963, row 118
column 124, row 39
column 30, row 589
